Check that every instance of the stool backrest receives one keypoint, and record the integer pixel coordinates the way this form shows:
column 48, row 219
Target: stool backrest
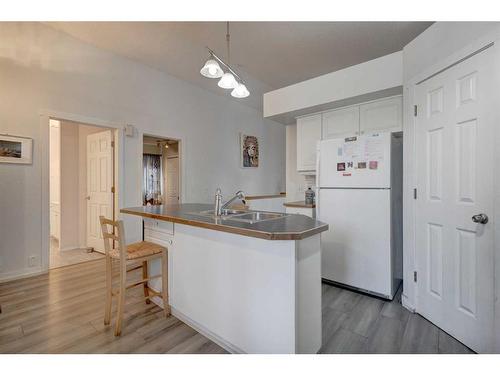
column 117, row 234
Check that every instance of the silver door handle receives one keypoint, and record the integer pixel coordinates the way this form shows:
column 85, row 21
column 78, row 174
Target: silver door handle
column 480, row 218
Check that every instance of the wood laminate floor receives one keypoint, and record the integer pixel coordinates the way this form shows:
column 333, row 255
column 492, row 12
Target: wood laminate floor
column 62, row 312
column 64, row 258
column 357, row 323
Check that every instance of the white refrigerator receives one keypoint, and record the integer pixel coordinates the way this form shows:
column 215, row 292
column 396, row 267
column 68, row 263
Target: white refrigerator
column 360, row 196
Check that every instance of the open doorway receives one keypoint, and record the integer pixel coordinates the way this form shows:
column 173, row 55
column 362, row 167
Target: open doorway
column 161, row 177
column 82, row 180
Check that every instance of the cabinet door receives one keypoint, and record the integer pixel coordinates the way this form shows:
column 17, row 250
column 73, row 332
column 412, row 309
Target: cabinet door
column 308, row 134
column 341, row 122
column 386, row 114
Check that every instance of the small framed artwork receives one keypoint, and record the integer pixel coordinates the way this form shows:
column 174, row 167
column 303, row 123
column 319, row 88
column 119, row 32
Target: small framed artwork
column 18, row 150
column 249, row 151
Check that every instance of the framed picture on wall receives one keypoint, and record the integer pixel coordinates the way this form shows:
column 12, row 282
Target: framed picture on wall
column 17, row 150
column 249, row 151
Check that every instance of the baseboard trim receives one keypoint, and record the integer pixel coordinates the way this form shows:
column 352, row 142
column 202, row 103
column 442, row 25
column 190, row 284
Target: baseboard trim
column 406, row 304
column 25, row 273
column 67, row 248
column 199, row 328
column 207, row 333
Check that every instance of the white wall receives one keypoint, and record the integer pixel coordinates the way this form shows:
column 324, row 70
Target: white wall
column 150, row 149
column 440, row 40
column 43, row 70
column 69, row 187
column 55, row 161
column 369, row 77
column 296, row 183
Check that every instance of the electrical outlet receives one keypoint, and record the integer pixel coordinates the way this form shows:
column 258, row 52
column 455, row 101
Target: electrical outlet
column 32, row 261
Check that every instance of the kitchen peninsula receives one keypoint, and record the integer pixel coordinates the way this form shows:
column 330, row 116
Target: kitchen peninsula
column 249, row 280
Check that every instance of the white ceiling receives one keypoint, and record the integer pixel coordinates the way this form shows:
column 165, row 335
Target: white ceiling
column 269, row 55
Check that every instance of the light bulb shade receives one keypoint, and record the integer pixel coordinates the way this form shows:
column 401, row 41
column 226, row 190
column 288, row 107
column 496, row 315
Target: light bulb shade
column 240, row 91
column 211, row 69
column 227, row 81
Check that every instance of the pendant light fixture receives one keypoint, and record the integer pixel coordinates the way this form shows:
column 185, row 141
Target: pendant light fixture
column 211, row 69
column 229, row 80
column 240, row 91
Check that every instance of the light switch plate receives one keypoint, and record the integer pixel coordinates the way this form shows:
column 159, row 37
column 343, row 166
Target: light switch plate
column 32, row 261
column 129, row 130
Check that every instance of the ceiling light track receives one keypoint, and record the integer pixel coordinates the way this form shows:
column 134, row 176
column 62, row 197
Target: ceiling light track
column 229, row 79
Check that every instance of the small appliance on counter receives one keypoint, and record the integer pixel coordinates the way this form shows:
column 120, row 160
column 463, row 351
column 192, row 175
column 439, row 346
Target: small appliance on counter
column 310, row 196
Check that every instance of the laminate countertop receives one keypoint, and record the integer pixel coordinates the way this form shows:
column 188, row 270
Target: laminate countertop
column 270, row 196
column 289, row 227
column 301, row 204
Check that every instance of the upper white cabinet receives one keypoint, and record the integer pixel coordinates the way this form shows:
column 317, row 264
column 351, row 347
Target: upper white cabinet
column 340, row 122
column 386, row 114
column 379, row 115
column 308, row 134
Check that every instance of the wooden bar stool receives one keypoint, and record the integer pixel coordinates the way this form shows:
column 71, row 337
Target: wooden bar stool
column 138, row 252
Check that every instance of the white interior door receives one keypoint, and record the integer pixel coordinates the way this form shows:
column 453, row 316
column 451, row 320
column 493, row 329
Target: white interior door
column 454, row 135
column 99, row 185
column 172, row 180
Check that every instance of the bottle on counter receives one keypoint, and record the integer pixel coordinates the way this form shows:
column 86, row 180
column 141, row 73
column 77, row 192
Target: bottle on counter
column 310, row 196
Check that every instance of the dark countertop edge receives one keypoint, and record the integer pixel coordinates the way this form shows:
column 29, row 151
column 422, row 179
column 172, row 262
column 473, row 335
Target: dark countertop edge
column 285, row 236
column 270, row 196
column 300, row 204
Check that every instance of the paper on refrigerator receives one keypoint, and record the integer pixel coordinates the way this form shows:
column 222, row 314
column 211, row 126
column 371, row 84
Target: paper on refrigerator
column 374, row 148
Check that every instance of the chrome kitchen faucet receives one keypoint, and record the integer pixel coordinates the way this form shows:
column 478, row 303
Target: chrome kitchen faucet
column 219, row 207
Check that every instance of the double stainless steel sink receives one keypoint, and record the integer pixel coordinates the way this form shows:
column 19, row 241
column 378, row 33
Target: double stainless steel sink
column 243, row 215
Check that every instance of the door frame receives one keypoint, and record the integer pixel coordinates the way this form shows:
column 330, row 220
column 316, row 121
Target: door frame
column 44, row 117
column 181, row 155
column 410, row 290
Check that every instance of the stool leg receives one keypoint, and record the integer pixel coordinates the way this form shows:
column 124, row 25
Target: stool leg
column 164, row 283
column 121, row 297
column 109, row 286
column 145, row 276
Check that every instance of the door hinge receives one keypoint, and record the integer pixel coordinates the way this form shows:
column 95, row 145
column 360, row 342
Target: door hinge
column 112, row 143
column 415, row 110
column 113, row 189
column 415, row 193
column 415, row 276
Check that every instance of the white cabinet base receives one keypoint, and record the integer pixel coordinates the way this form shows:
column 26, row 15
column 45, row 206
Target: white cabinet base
column 247, row 294
column 311, row 212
